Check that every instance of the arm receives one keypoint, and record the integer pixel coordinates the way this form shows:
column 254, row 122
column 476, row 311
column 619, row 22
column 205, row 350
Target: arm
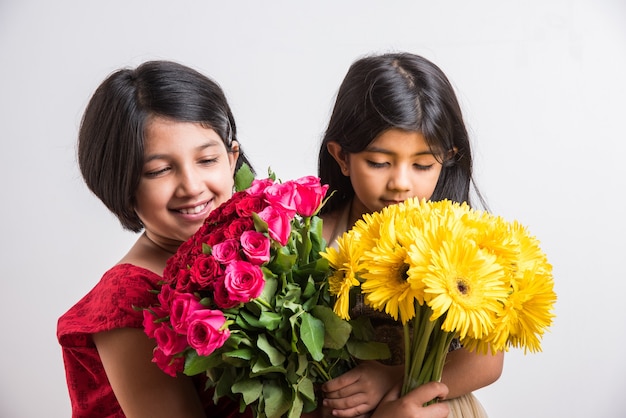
column 359, row 390
column 467, row 371
column 141, row 388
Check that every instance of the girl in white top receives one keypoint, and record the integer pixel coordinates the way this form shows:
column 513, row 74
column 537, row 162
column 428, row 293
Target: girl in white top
column 397, row 132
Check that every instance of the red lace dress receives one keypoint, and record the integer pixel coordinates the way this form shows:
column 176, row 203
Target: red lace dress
column 107, row 306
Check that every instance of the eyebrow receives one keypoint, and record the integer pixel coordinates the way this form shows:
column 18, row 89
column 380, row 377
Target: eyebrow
column 387, row 152
column 209, row 144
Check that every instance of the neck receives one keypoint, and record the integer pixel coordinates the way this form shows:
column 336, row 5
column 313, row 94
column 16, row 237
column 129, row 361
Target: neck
column 166, row 249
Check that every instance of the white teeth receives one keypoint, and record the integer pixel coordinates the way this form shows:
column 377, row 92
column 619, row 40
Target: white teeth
column 193, row 211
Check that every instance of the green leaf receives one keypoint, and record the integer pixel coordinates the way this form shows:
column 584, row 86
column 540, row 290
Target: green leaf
column 368, row 350
column 225, row 382
column 262, row 366
column 238, row 358
column 243, row 177
column 312, row 335
column 277, row 399
column 362, row 328
column 295, row 410
column 306, row 389
column 337, row 331
column 283, row 261
column 317, row 241
column 250, row 389
column 195, row 364
column 270, row 320
column 259, row 224
column 275, row 357
column 302, row 364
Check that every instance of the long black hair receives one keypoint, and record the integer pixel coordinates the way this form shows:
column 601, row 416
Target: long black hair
column 404, row 91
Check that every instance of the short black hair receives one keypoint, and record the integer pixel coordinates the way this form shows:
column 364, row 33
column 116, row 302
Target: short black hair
column 111, row 136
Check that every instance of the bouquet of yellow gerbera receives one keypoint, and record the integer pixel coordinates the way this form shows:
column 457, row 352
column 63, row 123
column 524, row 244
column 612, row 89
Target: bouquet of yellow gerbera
column 445, row 271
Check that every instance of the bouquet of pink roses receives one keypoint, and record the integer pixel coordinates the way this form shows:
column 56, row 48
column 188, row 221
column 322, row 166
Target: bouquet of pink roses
column 245, row 300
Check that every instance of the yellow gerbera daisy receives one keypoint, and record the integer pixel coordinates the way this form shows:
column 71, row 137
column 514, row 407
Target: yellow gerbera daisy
column 385, row 273
column 344, row 263
column 530, row 256
column 527, row 312
column 465, row 284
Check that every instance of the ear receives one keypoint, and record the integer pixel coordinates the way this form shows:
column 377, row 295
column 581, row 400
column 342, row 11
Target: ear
column 341, row 157
column 233, row 155
column 451, row 154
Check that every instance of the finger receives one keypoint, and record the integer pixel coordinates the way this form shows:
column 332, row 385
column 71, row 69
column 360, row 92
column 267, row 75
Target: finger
column 345, row 392
column 359, row 411
column 347, row 401
column 337, row 383
column 427, row 392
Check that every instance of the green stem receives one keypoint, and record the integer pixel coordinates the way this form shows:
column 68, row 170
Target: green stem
column 305, row 248
column 263, row 303
column 419, row 346
column 322, row 369
column 407, row 360
column 426, row 349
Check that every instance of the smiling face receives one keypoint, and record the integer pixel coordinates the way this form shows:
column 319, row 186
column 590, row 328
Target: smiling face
column 187, row 173
column 396, row 166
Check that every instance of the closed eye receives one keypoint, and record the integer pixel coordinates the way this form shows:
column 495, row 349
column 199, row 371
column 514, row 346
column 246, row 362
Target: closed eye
column 208, row 161
column 423, row 167
column 374, row 164
column 157, row 173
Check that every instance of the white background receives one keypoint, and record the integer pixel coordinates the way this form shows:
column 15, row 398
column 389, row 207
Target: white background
column 542, row 85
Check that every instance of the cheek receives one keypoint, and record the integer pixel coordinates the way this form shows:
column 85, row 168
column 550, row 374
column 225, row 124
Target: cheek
column 223, row 184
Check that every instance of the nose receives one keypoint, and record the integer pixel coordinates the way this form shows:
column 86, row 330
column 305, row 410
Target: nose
column 400, row 179
column 190, row 183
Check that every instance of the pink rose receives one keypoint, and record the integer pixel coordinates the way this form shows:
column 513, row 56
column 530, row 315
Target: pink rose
column 183, row 306
column 205, row 333
column 243, row 281
column 226, row 251
column 165, row 297
column 282, row 195
column 169, row 341
column 278, row 224
column 310, row 194
column 256, row 247
column 169, row 364
column 257, row 188
column 149, row 326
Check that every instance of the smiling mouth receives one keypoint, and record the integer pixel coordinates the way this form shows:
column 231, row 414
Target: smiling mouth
column 193, row 210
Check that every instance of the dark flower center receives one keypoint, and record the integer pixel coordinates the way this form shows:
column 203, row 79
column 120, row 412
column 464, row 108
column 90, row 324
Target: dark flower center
column 462, row 286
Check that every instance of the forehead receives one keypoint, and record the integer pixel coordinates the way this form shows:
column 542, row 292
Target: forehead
column 398, row 141
column 162, row 133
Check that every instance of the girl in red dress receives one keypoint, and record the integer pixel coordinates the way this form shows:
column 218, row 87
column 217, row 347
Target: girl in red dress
column 158, row 146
